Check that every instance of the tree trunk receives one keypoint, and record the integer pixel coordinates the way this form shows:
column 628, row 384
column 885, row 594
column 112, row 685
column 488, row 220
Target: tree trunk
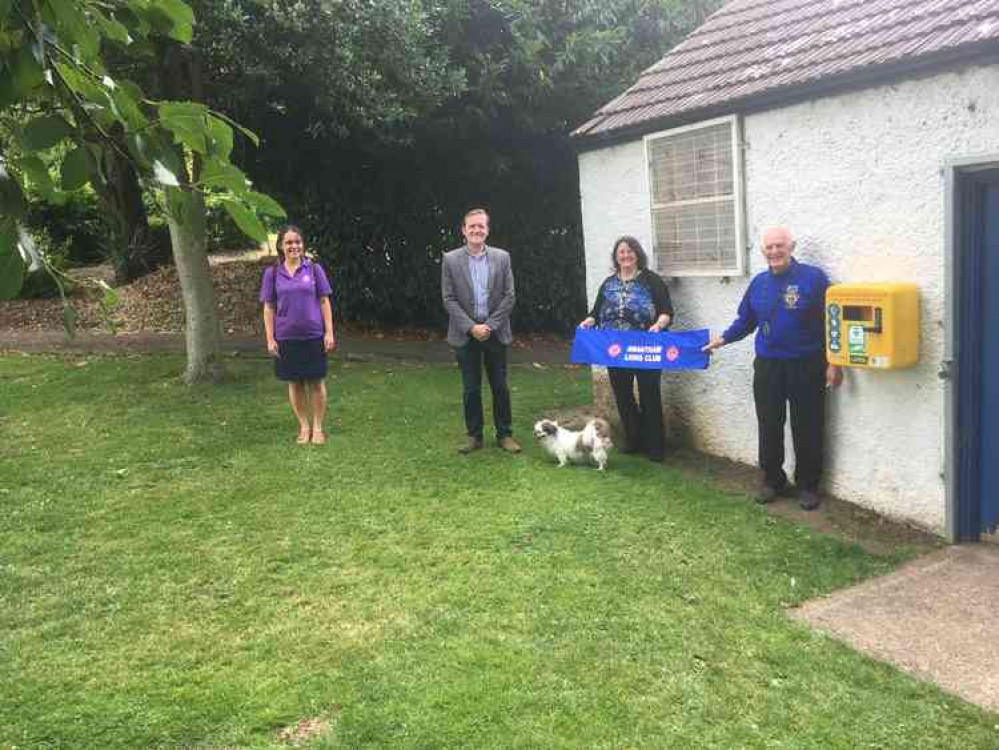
column 186, row 218
column 125, row 215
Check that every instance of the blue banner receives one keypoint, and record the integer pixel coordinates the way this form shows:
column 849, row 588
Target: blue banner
column 641, row 349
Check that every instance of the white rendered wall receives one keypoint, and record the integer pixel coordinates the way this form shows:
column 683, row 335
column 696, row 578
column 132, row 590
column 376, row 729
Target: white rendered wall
column 859, row 179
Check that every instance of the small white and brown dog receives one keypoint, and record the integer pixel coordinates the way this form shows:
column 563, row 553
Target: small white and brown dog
column 577, row 446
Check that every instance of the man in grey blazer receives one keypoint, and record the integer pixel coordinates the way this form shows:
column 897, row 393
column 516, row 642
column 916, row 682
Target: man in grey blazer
column 477, row 286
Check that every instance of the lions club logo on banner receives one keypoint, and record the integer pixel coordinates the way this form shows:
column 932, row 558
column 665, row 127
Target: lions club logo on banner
column 614, row 350
column 672, row 353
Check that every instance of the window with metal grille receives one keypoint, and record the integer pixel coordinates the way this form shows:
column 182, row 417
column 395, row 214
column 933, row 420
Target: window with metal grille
column 695, row 183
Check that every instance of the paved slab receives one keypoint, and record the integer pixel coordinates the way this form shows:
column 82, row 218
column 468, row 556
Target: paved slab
column 936, row 618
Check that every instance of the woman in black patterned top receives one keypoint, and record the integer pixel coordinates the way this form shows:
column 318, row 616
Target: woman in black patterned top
column 634, row 298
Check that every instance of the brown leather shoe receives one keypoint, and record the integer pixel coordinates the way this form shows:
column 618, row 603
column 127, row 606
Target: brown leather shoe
column 509, row 444
column 473, row 444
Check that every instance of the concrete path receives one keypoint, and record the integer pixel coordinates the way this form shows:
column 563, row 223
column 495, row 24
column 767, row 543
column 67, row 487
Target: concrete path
column 936, row 618
column 351, row 347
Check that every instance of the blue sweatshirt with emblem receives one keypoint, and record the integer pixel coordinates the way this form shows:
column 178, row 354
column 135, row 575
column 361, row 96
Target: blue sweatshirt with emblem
column 787, row 310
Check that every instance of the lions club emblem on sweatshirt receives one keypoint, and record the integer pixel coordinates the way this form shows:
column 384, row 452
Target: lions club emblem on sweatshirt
column 791, row 297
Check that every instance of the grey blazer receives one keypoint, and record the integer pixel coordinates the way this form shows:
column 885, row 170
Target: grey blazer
column 456, row 288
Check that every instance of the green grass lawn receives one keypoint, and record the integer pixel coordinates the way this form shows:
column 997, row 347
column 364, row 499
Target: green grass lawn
column 175, row 572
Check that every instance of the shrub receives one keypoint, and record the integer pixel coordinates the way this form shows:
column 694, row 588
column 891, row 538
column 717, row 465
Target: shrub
column 73, row 231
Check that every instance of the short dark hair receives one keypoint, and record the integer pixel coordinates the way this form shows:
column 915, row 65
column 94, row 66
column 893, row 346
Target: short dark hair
column 280, row 238
column 636, row 248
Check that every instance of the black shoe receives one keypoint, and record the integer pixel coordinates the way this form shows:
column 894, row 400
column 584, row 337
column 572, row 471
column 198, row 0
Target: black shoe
column 808, row 500
column 473, row 444
column 767, row 494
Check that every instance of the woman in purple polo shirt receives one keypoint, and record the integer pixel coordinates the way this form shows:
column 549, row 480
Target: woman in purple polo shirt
column 298, row 320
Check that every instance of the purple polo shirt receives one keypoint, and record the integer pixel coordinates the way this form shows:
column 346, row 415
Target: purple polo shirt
column 295, row 298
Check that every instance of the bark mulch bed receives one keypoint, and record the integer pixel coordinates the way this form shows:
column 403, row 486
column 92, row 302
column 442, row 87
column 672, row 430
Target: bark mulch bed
column 153, row 304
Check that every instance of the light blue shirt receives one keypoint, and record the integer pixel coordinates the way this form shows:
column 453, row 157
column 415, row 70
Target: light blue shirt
column 478, row 268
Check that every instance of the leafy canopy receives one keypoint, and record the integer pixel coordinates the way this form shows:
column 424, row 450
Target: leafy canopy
column 58, row 94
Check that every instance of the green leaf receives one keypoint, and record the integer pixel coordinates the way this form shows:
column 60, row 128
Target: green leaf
column 72, row 27
column 69, row 317
column 38, row 172
column 170, row 17
column 26, row 72
column 182, row 111
column 12, row 202
column 188, row 122
column 138, row 148
column 182, row 17
column 154, row 145
column 223, row 175
column 112, row 28
column 77, row 168
column 5, row 8
column 254, row 138
column 96, row 98
column 95, row 94
column 246, row 220
column 264, row 204
column 133, row 18
column 111, row 299
column 164, row 176
column 28, row 249
column 125, row 98
column 7, row 94
column 220, row 138
column 12, row 267
column 158, row 147
column 45, row 131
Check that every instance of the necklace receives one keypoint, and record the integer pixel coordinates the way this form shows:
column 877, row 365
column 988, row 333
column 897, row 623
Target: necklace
column 625, row 294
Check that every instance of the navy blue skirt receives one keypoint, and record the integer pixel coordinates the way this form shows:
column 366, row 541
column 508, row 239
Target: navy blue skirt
column 300, row 360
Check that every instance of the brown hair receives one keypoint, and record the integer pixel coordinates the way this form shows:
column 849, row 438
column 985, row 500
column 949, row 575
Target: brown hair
column 636, row 248
column 280, row 238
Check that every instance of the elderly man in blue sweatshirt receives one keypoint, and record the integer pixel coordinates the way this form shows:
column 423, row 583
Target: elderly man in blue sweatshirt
column 785, row 305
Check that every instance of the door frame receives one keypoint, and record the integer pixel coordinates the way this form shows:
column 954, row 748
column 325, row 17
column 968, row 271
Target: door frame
column 956, row 172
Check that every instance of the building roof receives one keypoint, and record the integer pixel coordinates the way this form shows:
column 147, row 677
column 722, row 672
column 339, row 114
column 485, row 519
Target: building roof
column 758, row 52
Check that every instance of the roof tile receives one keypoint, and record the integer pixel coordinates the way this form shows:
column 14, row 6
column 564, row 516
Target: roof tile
column 755, row 48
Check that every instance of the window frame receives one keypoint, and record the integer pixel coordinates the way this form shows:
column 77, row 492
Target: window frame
column 739, row 266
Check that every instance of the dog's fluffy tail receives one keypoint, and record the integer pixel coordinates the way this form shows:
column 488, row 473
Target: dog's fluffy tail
column 597, row 431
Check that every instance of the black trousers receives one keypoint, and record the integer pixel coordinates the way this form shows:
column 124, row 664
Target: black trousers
column 471, row 357
column 802, row 384
column 642, row 421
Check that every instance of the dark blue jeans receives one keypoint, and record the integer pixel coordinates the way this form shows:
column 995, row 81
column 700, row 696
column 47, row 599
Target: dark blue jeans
column 471, row 357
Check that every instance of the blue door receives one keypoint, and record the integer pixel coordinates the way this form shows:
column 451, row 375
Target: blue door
column 978, row 358
column 988, row 454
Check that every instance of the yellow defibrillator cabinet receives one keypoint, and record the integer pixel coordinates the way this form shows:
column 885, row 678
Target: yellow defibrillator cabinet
column 872, row 325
